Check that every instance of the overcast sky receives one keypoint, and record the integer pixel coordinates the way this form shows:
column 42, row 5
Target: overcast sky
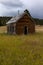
column 11, row 7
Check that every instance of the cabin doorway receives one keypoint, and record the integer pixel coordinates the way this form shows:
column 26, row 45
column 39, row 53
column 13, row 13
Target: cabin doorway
column 25, row 30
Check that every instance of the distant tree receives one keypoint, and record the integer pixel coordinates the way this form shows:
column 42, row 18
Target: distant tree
column 3, row 20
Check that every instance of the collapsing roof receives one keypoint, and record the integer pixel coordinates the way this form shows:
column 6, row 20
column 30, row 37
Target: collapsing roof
column 16, row 18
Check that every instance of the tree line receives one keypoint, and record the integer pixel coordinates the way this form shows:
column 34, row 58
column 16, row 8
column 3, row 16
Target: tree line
column 38, row 21
column 3, row 21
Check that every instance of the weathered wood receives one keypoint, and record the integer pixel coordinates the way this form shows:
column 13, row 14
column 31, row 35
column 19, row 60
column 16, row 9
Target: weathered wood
column 25, row 21
column 19, row 26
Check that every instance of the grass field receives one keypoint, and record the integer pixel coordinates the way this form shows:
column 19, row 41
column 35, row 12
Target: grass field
column 3, row 29
column 21, row 50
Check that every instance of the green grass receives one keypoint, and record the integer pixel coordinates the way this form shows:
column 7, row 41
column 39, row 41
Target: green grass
column 21, row 50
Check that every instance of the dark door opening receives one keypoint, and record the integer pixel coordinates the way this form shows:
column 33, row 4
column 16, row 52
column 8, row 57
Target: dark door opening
column 25, row 30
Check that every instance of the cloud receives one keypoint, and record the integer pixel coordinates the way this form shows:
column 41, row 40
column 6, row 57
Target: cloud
column 11, row 3
column 10, row 7
column 35, row 7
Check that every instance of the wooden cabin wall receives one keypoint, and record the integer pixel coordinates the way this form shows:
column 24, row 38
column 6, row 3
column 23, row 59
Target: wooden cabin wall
column 25, row 21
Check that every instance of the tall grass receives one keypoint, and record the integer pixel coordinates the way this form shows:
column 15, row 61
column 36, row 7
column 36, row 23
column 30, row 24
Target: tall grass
column 21, row 50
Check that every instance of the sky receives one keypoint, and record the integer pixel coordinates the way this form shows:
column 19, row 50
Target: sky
column 11, row 7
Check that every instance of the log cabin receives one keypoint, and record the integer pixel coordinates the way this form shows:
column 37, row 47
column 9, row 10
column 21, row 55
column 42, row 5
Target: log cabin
column 21, row 24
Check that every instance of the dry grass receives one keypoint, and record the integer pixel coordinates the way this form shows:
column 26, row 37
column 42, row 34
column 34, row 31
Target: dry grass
column 39, row 28
column 3, row 29
column 21, row 50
